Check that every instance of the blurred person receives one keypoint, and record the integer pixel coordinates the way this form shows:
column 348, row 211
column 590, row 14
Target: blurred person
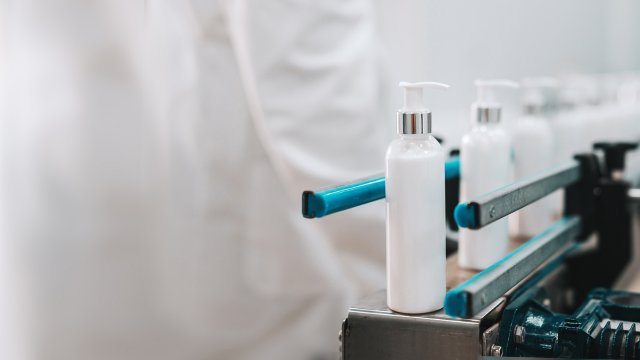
column 154, row 154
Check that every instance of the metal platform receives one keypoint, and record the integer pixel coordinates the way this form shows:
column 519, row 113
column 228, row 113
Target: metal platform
column 373, row 332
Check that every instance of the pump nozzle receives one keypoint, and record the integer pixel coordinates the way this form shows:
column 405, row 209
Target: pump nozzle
column 487, row 108
column 534, row 100
column 540, row 82
column 413, row 94
column 485, row 89
column 414, row 117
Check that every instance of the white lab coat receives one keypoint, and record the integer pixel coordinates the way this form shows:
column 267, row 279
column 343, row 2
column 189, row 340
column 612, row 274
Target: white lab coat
column 161, row 151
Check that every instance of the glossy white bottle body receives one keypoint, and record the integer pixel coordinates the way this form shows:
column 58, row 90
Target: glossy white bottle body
column 416, row 238
column 533, row 153
column 485, row 164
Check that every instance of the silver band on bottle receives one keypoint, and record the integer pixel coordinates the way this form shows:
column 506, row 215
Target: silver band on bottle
column 488, row 115
column 533, row 109
column 414, row 123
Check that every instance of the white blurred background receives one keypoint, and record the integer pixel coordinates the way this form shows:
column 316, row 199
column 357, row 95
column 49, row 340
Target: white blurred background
column 460, row 41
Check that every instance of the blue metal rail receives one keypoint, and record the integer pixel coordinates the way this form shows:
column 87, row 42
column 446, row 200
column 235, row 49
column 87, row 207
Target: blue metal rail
column 316, row 204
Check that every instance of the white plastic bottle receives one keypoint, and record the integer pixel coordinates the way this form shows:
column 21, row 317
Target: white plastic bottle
column 416, row 239
column 485, row 164
column 533, row 153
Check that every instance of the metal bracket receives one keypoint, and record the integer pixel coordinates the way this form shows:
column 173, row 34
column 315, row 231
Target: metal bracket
column 580, row 197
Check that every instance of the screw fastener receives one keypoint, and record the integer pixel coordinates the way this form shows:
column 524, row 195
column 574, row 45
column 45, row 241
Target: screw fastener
column 496, row 350
column 519, row 334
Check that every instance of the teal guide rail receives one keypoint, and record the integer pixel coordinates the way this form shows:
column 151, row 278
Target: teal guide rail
column 494, row 205
column 323, row 202
column 473, row 295
column 470, row 297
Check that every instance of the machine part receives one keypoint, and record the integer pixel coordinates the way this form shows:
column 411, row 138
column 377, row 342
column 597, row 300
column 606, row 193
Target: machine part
column 607, row 261
column 501, row 202
column 452, row 194
column 316, row 204
column 611, row 221
column 634, row 196
column 341, row 335
column 373, row 332
column 490, row 338
column 475, row 294
column 614, row 154
column 452, row 168
column 519, row 333
column 580, row 197
column 326, row 201
column 451, row 246
column 496, row 350
column 604, row 327
column 613, row 227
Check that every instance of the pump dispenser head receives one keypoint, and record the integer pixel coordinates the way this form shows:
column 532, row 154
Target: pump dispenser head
column 414, row 117
column 534, row 100
column 487, row 109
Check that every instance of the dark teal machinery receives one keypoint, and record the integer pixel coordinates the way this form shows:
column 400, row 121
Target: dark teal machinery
column 605, row 326
column 547, row 298
column 607, row 323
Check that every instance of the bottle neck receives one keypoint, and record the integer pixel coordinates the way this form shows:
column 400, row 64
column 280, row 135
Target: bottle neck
column 483, row 125
column 414, row 136
column 535, row 109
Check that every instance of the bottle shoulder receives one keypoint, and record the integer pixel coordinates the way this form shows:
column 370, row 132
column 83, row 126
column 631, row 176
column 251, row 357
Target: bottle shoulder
column 531, row 127
column 415, row 147
column 485, row 136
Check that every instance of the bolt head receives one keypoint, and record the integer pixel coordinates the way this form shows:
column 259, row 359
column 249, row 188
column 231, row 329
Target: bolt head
column 496, row 350
column 518, row 334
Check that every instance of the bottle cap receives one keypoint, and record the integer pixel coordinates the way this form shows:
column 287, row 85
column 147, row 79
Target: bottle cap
column 486, row 109
column 534, row 100
column 414, row 117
